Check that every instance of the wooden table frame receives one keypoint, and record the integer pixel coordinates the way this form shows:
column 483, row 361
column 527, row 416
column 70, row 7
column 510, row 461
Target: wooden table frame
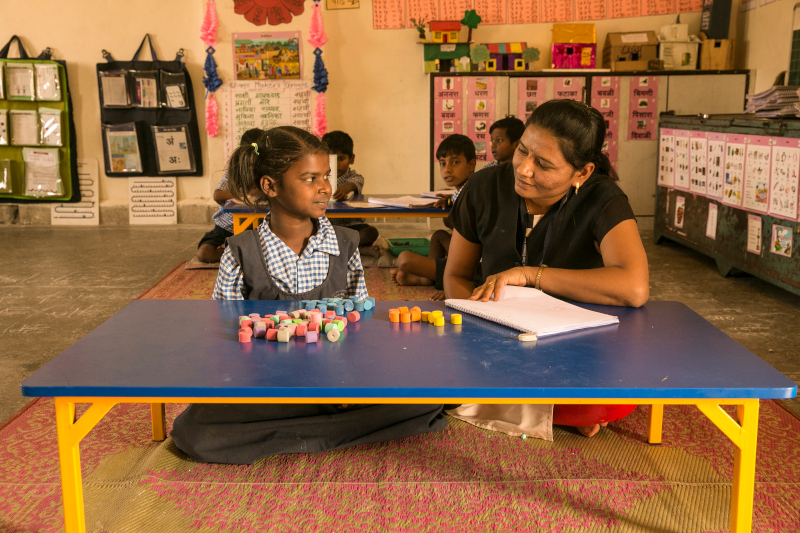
column 742, row 432
column 243, row 221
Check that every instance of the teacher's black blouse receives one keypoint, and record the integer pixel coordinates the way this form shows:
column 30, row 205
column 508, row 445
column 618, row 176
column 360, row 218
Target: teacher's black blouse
column 489, row 212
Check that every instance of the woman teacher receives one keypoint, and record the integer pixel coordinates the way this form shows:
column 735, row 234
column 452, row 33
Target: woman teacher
column 555, row 220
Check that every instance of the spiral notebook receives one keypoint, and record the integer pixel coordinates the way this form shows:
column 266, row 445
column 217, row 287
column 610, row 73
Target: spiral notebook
column 532, row 311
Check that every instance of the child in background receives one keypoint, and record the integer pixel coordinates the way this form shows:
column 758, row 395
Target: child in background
column 213, row 243
column 294, row 254
column 456, row 157
column 349, row 181
column 505, row 134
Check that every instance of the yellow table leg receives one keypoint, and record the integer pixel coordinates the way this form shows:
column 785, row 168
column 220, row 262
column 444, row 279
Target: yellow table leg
column 70, row 434
column 744, row 469
column 158, row 416
column 243, row 221
column 654, row 423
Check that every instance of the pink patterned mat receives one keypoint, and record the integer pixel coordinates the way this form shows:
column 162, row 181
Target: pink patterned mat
column 461, row 479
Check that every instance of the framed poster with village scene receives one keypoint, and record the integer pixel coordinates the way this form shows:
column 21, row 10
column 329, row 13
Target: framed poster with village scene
column 267, row 56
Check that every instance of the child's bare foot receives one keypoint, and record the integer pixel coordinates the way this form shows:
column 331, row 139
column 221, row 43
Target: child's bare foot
column 438, row 296
column 589, row 431
column 394, row 272
column 603, row 424
column 403, row 278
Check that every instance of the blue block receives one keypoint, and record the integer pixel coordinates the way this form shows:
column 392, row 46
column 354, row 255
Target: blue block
column 371, row 299
column 359, row 306
column 310, row 306
column 368, row 305
column 322, row 307
column 348, row 305
column 339, row 310
column 331, row 306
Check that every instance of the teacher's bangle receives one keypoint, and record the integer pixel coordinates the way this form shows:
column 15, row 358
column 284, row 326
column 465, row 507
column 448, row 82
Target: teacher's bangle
column 539, row 277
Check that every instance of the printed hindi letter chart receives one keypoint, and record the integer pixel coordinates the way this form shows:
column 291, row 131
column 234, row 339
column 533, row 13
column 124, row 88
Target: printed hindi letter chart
column 756, row 173
column 530, row 95
column 643, row 108
column 263, row 104
column 426, row 10
column 734, row 170
column 447, row 102
column 454, row 9
column 523, row 12
column 689, row 6
column 557, row 11
column 666, row 158
column 490, row 11
column 590, row 10
column 480, row 114
column 785, row 167
column 682, row 138
column 621, row 9
column 388, row 14
column 698, row 161
column 716, row 165
column 658, row 7
column 605, row 98
column 571, row 88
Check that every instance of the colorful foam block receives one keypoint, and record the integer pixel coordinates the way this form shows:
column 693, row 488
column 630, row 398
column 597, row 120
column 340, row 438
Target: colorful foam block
column 330, row 314
column 439, row 321
column 314, row 326
column 297, row 321
column 339, row 310
column 281, row 312
column 272, row 334
column 359, row 305
column 330, row 326
column 403, row 309
column 416, row 315
column 316, row 318
column 349, row 305
column 284, row 335
column 455, row 319
column 371, row 300
column 415, row 308
column 311, row 336
column 245, row 334
column 333, row 335
column 322, row 307
column 394, row 315
column 254, row 315
column 405, row 317
column 292, row 328
column 259, row 330
column 339, row 325
column 353, row 316
column 301, row 330
column 275, row 319
column 369, row 304
column 425, row 316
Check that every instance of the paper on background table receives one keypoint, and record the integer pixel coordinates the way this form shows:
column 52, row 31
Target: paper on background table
column 403, row 201
column 87, row 211
column 152, row 201
column 435, row 194
column 532, row 311
column 364, row 205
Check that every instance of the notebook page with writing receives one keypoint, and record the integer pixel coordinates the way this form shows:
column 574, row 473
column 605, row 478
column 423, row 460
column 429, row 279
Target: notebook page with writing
column 532, row 311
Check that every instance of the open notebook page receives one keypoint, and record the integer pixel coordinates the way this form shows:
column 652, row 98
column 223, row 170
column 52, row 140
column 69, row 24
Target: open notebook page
column 532, row 311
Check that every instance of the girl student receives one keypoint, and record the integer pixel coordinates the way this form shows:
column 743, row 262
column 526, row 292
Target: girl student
column 294, row 254
column 554, row 220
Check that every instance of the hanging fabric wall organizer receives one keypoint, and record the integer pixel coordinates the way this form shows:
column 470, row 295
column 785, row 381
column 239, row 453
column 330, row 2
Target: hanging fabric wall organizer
column 211, row 80
column 317, row 39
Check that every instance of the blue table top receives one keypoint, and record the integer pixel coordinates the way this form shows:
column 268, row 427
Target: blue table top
column 189, row 348
column 341, row 208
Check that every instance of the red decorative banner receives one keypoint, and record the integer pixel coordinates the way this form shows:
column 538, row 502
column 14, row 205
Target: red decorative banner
column 480, row 114
column 643, row 108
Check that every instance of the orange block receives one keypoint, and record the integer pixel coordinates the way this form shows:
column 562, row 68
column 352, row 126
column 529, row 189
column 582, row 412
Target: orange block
column 403, row 309
column 394, row 315
column 405, row 317
column 415, row 308
column 416, row 315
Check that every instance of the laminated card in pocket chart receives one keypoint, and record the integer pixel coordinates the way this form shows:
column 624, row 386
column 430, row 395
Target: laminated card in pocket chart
column 666, row 158
column 698, row 162
column 734, row 170
column 531, row 93
column 682, row 162
column 481, row 114
column 715, row 177
column 605, row 98
column 152, row 200
column 448, row 96
column 784, row 183
column 643, row 108
column 758, row 157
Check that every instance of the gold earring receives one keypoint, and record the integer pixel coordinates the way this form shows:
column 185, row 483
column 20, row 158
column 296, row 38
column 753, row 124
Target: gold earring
column 577, row 186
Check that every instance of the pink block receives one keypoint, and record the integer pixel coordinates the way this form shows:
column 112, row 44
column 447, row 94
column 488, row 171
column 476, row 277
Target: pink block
column 267, row 317
column 292, row 328
column 272, row 334
column 311, row 336
column 254, row 315
column 343, row 319
column 300, row 331
column 313, row 326
column 353, row 316
column 281, row 312
column 316, row 318
column 246, row 323
column 330, row 314
column 285, row 317
column 245, row 334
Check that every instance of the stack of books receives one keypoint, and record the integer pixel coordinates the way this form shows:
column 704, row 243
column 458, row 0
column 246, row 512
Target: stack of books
column 775, row 102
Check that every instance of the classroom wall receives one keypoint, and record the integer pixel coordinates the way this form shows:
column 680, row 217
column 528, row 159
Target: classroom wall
column 764, row 41
column 378, row 92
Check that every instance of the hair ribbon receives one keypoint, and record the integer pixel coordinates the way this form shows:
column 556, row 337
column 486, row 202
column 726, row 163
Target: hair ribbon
column 255, row 148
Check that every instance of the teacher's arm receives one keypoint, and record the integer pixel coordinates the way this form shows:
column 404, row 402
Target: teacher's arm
column 624, row 279
column 459, row 272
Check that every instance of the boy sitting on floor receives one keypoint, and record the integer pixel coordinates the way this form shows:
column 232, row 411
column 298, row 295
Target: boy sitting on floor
column 349, row 181
column 505, row 135
column 213, row 243
column 456, row 157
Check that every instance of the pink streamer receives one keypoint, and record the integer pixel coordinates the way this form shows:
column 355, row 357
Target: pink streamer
column 320, row 122
column 212, row 126
column 318, row 37
column 208, row 30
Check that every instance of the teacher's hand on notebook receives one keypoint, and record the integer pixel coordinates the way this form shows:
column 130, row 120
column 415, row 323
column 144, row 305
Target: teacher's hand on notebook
column 491, row 288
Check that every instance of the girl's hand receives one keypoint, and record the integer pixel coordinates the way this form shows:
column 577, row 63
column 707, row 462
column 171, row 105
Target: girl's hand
column 442, row 202
column 495, row 283
column 344, row 190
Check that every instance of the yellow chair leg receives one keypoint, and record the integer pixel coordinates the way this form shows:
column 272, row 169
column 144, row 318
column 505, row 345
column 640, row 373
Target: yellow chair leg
column 157, row 415
column 744, row 468
column 70, row 460
column 654, row 423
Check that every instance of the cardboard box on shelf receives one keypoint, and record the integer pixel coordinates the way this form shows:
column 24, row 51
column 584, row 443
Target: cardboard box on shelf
column 629, row 51
column 716, row 54
column 679, row 55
